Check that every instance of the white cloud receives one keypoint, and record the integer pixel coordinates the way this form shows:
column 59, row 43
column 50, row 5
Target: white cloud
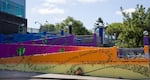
column 118, row 13
column 129, row 10
column 56, row 1
column 50, row 11
column 90, row 1
column 48, row 5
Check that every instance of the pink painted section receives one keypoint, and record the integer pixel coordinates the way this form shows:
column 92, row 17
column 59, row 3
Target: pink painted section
column 10, row 50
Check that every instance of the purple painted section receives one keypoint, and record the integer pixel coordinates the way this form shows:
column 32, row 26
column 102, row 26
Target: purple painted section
column 67, row 40
column 37, row 47
column 146, row 40
column 10, row 50
column 93, row 43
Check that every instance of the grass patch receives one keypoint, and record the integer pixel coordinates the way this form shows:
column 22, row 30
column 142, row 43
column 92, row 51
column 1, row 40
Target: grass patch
column 101, row 70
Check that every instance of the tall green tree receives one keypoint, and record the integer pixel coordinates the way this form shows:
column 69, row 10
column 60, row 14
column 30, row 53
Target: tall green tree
column 130, row 32
column 133, row 26
column 48, row 28
column 114, row 28
column 77, row 26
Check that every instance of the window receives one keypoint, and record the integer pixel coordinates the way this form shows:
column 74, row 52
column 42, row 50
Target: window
column 12, row 8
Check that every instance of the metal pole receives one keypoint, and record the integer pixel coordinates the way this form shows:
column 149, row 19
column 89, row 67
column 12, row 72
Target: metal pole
column 149, row 56
column 70, row 27
column 101, row 35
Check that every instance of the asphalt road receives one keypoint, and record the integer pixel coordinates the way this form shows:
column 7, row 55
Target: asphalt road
column 16, row 75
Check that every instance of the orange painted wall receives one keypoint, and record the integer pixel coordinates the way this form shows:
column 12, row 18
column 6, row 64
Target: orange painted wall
column 90, row 55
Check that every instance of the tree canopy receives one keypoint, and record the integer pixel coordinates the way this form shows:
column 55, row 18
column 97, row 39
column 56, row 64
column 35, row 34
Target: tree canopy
column 77, row 26
column 130, row 32
column 114, row 28
column 48, row 28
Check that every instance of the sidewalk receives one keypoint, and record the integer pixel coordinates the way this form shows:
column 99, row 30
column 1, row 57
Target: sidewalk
column 72, row 77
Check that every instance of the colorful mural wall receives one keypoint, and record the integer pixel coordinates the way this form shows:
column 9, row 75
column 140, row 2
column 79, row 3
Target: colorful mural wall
column 12, row 50
column 93, row 61
column 50, row 39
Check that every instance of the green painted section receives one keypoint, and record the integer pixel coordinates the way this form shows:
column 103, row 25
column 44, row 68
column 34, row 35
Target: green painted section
column 20, row 51
column 44, row 41
column 61, row 50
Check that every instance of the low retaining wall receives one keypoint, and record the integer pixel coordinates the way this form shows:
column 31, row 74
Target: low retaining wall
column 93, row 56
column 12, row 50
column 93, row 61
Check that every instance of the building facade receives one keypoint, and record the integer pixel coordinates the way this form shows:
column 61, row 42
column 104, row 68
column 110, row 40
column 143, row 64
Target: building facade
column 14, row 7
column 12, row 16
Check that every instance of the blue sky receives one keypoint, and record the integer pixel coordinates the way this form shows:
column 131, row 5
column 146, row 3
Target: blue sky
column 87, row 11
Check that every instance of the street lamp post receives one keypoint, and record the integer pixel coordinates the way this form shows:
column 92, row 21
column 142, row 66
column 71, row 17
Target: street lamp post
column 146, row 43
column 70, row 27
column 41, row 26
column 145, row 40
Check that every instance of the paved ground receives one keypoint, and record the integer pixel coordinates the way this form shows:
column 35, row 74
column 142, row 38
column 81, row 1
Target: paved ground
column 15, row 75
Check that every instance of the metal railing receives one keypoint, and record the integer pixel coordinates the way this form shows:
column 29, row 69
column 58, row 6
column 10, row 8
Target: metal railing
column 131, row 53
column 32, row 30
